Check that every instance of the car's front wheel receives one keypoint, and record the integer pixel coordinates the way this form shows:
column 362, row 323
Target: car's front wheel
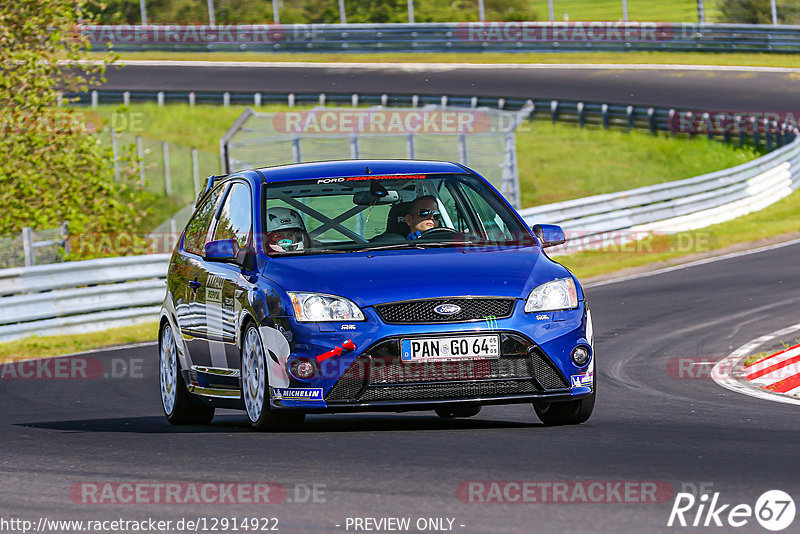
column 565, row 413
column 179, row 406
column 255, row 387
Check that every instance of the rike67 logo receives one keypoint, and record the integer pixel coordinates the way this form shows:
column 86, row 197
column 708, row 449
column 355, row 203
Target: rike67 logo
column 774, row 510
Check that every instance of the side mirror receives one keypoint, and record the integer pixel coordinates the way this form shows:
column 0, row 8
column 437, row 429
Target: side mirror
column 549, row 235
column 221, row 250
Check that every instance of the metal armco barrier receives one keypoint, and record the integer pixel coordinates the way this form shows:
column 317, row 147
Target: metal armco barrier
column 678, row 206
column 81, row 296
column 449, row 37
column 766, row 130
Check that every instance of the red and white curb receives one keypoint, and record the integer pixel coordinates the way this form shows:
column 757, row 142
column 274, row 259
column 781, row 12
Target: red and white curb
column 779, row 373
column 775, row 378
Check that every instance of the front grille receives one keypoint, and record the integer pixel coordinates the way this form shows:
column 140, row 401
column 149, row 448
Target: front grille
column 380, row 374
column 448, row 391
column 421, row 311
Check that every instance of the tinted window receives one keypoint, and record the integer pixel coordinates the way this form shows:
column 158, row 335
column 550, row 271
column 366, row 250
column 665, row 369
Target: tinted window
column 197, row 229
column 360, row 212
column 235, row 218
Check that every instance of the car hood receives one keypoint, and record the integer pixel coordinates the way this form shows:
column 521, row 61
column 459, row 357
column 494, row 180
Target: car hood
column 394, row 275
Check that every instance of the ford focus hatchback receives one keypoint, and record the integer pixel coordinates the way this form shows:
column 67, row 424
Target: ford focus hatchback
column 369, row 286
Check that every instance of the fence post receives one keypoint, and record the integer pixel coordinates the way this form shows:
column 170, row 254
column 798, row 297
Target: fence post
column 95, row 98
column 27, row 246
column 140, row 153
column 414, row 101
column 554, row 110
column 290, row 100
column 126, row 98
column 226, row 99
column 606, row 121
column 192, row 98
column 462, row 149
column 354, row 148
column 741, row 129
column 354, row 100
column 114, row 153
column 257, row 99
column 160, row 98
column 581, row 115
column 630, row 114
column 322, row 99
column 195, row 173
column 651, row 120
column 296, row 154
column 411, row 149
column 167, row 178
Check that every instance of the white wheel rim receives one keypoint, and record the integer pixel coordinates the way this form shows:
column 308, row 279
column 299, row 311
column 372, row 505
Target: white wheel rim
column 253, row 375
column 169, row 370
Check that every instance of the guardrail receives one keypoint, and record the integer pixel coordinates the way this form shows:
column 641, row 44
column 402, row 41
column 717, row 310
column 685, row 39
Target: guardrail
column 81, row 296
column 763, row 130
column 449, row 37
column 676, row 206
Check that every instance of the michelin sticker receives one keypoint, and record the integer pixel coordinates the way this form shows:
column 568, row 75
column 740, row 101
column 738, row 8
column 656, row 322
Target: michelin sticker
column 580, row 381
column 299, row 394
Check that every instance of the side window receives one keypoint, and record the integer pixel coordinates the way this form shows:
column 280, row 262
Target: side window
column 197, row 229
column 236, row 216
column 451, row 207
column 496, row 228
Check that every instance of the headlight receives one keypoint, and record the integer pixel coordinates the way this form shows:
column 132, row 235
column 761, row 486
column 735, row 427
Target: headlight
column 556, row 295
column 316, row 307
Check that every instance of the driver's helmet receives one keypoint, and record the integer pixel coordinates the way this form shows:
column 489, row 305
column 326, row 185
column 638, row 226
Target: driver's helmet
column 285, row 230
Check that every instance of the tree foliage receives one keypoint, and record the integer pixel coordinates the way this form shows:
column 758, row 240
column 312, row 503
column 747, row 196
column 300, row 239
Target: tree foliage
column 314, row 11
column 758, row 11
column 53, row 169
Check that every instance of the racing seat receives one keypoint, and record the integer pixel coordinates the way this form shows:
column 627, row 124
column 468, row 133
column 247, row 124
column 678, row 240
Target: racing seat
column 395, row 223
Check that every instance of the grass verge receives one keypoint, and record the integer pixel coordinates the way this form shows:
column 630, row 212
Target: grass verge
column 551, row 58
column 556, row 161
column 45, row 346
column 781, row 218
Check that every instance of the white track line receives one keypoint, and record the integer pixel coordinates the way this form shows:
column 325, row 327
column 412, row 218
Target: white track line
column 694, row 263
column 722, row 371
column 440, row 66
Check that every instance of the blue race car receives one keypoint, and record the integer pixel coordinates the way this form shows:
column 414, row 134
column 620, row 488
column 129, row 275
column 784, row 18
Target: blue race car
column 369, row 285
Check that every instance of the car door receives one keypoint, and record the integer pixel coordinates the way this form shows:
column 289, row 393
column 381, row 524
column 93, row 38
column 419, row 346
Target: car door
column 190, row 290
column 223, row 303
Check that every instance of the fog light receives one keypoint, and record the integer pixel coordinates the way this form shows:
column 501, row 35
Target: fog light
column 580, row 355
column 303, row 369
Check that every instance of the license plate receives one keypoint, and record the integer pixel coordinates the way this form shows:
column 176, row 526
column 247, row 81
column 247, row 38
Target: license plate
column 449, row 348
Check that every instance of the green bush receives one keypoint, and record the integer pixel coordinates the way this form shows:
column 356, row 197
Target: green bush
column 313, row 11
column 53, row 169
column 758, row 11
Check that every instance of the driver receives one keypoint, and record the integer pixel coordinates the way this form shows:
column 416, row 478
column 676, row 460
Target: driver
column 423, row 214
column 286, row 231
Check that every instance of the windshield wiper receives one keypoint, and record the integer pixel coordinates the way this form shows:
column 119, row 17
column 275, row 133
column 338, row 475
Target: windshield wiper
column 408, row 244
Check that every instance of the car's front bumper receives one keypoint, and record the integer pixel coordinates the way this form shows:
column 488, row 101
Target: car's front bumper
column 535, row 365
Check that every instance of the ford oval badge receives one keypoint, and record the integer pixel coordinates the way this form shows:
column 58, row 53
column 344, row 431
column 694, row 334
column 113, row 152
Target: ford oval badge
column 447, row 309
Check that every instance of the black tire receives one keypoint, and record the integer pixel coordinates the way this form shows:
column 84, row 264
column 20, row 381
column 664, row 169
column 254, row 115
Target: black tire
column 255, row 388
column 179, row 406
column 450, row 412
column 565, row 413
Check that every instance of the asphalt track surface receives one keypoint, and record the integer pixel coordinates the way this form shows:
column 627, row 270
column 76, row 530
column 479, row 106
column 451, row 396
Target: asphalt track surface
column 649, row 425
column 709, row 90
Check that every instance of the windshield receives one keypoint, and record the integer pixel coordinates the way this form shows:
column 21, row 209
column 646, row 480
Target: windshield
column 334, row 215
